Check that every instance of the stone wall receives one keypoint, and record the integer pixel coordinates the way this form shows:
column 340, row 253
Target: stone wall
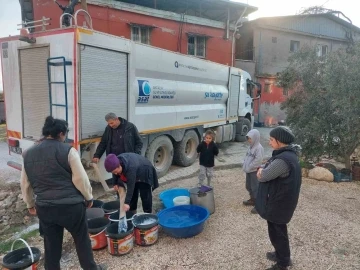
column 13, row 210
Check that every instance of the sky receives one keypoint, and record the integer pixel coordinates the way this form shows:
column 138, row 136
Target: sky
column 10, row 14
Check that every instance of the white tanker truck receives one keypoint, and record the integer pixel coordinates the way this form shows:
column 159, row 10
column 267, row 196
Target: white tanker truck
column 79, row 75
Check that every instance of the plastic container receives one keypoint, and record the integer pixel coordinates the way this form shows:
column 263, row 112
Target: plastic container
column 146, row 229
column 181, row 200
column 97, row 204
column 344, row 175
column 120, row 243
column 168, row 196
column 114, row 217
column 183, row 221
column 92, row 213
column 23, row 258
column 204, row 199
column 96, row 228
column 111, row 207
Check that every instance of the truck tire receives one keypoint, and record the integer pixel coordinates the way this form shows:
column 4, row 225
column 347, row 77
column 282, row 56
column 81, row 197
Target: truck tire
column 160, row 153
column 243, row 126
column 233, row 133
column 238, row 127
column 246, row 126
column 185, row 151
column 240, row 138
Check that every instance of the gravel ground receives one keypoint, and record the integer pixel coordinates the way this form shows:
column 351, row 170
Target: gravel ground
column 324, row 232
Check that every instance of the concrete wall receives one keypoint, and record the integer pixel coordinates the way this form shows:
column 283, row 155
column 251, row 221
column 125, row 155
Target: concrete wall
column 272, row 57
column 247, row 65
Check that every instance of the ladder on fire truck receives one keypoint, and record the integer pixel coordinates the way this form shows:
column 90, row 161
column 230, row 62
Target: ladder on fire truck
column 58, row 62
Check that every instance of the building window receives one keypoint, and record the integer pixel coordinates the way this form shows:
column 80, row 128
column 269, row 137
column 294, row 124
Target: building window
column 321, row 50
column 267, row 88
column 294, row 45
column 197, row 46
column 274, row 39
column 140, row 34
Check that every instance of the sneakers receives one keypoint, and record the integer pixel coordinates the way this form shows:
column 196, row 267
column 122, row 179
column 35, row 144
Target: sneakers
column 277, row 267
column 250, row 202
column 254, row 211
column 271, row 256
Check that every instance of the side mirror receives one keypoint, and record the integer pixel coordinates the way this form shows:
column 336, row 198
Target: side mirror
column 251, row 85
column 258, row 94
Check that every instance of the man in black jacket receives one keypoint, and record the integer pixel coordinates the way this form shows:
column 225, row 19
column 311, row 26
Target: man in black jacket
column 139, row 175
column 120, row 136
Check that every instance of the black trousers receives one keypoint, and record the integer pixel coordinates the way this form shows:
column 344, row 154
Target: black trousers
column 145, row 191
column 53, row 220
column 279, row 239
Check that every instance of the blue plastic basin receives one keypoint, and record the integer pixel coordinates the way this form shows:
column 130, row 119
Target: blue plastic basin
column 167, row 196
column 183, row 221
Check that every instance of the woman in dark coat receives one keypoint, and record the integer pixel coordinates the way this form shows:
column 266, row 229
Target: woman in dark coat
column 278, row 193
column 138, row 174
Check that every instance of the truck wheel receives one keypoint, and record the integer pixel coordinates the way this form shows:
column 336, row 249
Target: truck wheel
column 246, row 126
column 185, row 151
column 240, row 138
column 233, row 132
column 160, row 153
column 238, row 127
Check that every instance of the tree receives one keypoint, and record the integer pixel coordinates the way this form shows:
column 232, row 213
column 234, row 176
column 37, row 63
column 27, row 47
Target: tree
column 324, row 109
column 314, row 10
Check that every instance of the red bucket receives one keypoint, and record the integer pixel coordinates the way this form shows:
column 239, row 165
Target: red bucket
column 98, row 241
column 96, row 228
column 111, row 208
column 120, row 244
column 92, row 213
column 146, row 229
column 146, row 237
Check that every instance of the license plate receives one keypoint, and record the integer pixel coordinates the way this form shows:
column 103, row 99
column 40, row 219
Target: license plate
column 16, row 150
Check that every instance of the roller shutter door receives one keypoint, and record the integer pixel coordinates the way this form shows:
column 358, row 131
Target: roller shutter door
column 234, row 95
column 103, row 88
column 34, row 90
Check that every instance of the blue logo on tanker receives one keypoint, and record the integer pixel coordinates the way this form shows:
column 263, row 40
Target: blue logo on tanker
column 144, row 91
column 215, row 96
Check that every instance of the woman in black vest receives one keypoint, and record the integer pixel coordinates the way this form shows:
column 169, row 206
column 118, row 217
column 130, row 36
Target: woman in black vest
column 278, row 193
column 53, row 172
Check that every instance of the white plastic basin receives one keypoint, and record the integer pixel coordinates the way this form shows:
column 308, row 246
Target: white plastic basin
column 181, row 200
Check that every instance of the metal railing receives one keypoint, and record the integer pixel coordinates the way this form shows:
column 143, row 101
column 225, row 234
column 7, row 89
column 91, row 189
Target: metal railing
column 75, row 18
column 31, row 25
